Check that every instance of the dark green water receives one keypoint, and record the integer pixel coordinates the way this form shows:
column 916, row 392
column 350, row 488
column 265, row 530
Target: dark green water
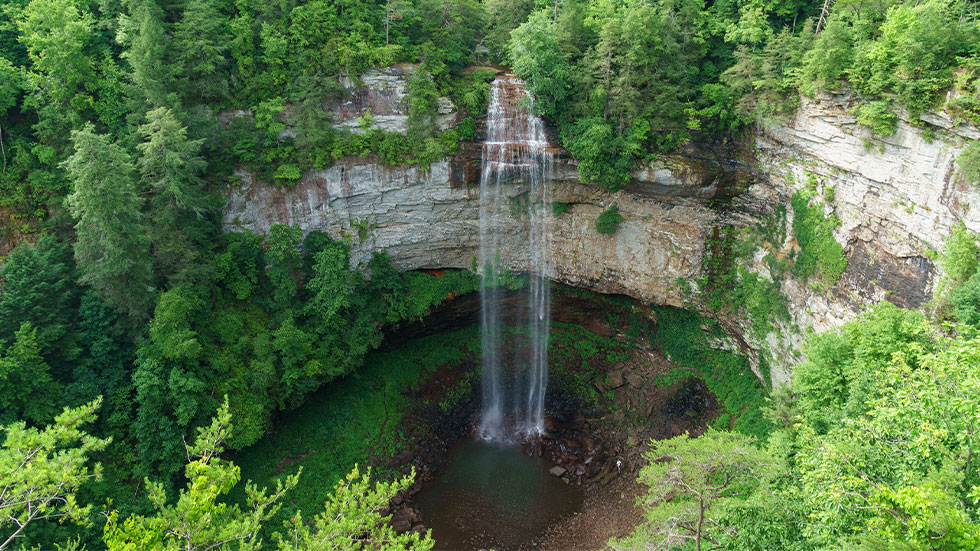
column 492, row 496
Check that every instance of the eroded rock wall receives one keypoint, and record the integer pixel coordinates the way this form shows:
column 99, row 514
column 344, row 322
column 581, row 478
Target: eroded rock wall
column 897, row 199
column 422, row 220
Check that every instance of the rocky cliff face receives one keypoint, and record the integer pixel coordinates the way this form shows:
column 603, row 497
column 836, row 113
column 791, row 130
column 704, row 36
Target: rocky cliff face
column 896, row 198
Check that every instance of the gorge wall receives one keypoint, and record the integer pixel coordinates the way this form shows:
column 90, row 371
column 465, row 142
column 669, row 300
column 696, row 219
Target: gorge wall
column 896, row 198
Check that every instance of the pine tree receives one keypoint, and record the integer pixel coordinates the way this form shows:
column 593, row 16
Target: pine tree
column 111, row 248
column 170, row 168
column 27, row 390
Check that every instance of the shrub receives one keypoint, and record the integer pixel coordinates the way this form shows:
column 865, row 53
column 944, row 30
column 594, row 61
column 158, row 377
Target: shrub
column 959, row 255
column 820, row 253
column 969, row 162
column 558, row 208
column 878, row 117
column 966, row 301
column 608, row 221
column 287, row 174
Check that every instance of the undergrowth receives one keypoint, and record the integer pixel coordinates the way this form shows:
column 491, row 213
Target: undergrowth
column 350, row 421
column 678, row 334
column 820, row 255
column 575, row 356
column 728, row 286
column 608, row 222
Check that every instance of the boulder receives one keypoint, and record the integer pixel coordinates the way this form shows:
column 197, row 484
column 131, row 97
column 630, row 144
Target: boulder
column 550, row 424
column 614, row 379
column 557, row 471
column 401, row 521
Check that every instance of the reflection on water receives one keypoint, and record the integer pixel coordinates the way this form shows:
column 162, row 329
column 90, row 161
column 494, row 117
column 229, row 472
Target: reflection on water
column 493, row 496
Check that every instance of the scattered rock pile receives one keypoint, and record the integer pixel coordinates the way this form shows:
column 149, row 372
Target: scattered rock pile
column 575, row 445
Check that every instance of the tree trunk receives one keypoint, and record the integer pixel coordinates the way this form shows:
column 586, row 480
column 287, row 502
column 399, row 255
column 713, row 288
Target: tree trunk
column 697, row 534
column 823, row 13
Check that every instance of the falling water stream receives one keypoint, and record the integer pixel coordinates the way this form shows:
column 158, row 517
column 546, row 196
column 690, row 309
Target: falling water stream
column 491, row 495
column 516, row 164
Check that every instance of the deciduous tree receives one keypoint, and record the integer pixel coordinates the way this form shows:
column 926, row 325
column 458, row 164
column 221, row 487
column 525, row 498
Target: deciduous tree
column 200, row 519
column 41, row 471
column 693, row 482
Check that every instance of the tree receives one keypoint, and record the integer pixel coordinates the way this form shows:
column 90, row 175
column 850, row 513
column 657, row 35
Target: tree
column 693, row 482
column 171, row 169
column 27, row 390
column 842, row 370
column 142, row 33
column 960, row 257
column 38, row 287
column 503, row 16
column 200, row 519
column 352, row 520
column 284, row 263
column 41, row 471
column 902, row 475
column 537, row 57
column 111, row 248
column 201, row 40
column 331, row 293
column 106, row 367
column 965, row 300
column 423, row 106
column 10, row 88
column 57, row 37
column 171, row 382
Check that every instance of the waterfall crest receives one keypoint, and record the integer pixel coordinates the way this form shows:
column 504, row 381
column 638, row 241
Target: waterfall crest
column 516, row 164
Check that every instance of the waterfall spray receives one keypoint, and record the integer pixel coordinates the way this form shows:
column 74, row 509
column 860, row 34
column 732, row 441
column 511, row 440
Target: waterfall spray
column 515, row 158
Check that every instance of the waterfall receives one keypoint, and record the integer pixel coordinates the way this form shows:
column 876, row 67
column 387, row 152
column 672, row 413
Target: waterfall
column 516, row 164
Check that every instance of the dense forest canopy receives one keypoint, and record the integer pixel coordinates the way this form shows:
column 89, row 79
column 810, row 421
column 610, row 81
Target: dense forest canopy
column 626, row 80
column 172, row 341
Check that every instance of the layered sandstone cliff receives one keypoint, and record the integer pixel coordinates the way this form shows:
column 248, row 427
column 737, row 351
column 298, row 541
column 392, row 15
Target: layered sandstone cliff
column 897, row 199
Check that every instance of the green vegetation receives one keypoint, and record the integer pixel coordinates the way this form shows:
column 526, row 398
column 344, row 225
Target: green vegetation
column 679, row 334
column 873, row 448
column 574, row 356
column 608, row 222
column 119, row 120
column 683, row 337
column 969, row 162
column 870, row 447
column 558, row 208
column 261, row 322
column 729, row 287
column 345, row 424
column 248, row 81
column 820, row 255
column 693, row 484
column 198, row 521
column 627, row 80
column 957, row 295
column 41, row 471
